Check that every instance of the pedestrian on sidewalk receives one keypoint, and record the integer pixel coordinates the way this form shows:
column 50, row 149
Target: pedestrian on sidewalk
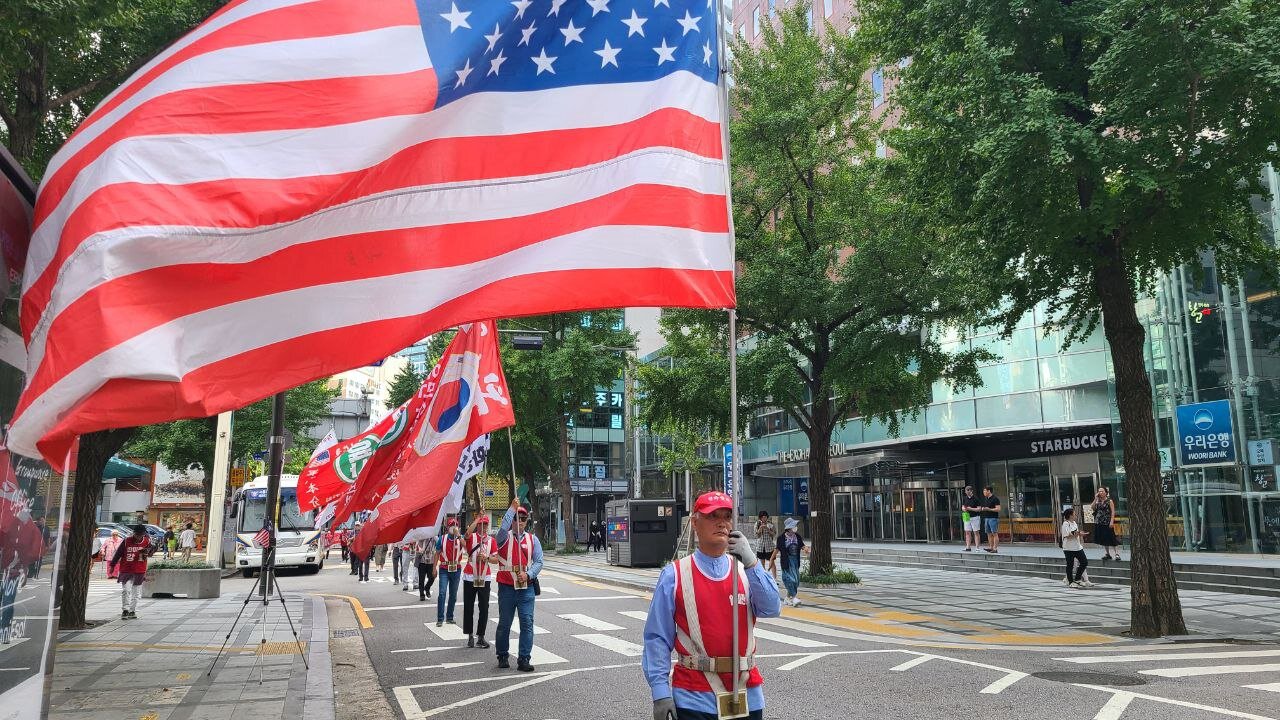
column 971, row 517
column 426, row 560
column 380, row 557
column 767, row 535
column 1073, row 550
column 1104, row 524
column 990, row 513
column 131, row 560
column 689, row 614
column 408, row 564
column 449, row 557
column 482, row 553
column 109, row 548
column 395, row 564
column 520, row 561
column 789, row 548
column 170, row 542
column 187, row 541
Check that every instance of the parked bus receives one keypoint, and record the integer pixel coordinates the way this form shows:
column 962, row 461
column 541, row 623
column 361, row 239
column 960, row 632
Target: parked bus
column 298, row 543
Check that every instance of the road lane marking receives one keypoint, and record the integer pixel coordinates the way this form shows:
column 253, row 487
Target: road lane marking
column 431, row 605
column 1269, row 687
column 1115, row 707
column 589, row 622
column 1180, row 672
column 413, row 711
column 544, row 657
column 446, row 632
column 636, row 614
column 762, row 634
column 995, row 688
column 912, row 663
column 609, row 642
column 356, row 607
column 549, row 589
column 445, row 666
column 426, row 649
column 1170, row 656
column 1179, row 703
column 998, row 686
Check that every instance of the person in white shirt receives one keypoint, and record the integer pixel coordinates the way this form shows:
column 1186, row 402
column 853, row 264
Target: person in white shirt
column 1073, row 549
column 187, row 541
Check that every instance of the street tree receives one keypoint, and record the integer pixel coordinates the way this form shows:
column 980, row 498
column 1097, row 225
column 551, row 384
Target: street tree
column 403, row 386
column 57, row 61
column 836, row 289
column 189, row 444
column 1077, row 150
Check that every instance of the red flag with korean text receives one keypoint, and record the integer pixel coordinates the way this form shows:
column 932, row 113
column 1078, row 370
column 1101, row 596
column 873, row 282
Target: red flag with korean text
column 464, row 397
column 333, row 470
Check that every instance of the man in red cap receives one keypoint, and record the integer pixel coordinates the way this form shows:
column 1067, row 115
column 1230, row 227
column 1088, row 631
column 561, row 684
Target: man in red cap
column 520, row 561
column 693, row 612
column 449, row 557
column 476, row 576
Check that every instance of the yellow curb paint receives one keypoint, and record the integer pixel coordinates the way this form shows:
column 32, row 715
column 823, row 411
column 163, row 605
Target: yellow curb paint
column 155, row 716
column 184, row 676
column 356, row 607
column 904, row 617
column 867, row 625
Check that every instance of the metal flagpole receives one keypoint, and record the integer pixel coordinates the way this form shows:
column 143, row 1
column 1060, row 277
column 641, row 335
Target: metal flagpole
column 737, row 706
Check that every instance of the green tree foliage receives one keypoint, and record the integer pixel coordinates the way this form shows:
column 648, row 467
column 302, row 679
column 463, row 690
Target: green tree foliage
column 403, row 386
column 835, row 282
column 1075, row 150
column 59, row 58
column 186, row 443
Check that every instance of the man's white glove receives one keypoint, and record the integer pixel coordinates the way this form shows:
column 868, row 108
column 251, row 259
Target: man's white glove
column 664, row 709
column 741, row 549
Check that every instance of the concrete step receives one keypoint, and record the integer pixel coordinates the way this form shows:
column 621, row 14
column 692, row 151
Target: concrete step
column 1230, row 579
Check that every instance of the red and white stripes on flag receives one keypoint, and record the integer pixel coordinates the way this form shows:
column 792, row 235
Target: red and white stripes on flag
column 279, row 196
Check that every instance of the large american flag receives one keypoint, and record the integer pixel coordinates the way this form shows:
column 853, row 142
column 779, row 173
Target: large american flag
column 296, row 188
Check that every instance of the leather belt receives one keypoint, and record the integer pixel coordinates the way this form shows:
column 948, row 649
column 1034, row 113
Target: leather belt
column 702, row 663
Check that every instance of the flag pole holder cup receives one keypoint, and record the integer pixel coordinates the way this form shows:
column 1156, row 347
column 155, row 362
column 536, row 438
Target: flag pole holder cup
column 732, row 705
column 516, row 582
column 478, row 577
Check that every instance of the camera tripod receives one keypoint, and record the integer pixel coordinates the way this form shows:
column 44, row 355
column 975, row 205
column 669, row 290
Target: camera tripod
column 261, row 592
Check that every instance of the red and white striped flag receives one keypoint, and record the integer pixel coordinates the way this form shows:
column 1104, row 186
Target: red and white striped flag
column 298, row 187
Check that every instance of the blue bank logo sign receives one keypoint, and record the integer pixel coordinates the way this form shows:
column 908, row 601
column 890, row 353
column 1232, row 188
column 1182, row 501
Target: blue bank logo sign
column 1205, row 435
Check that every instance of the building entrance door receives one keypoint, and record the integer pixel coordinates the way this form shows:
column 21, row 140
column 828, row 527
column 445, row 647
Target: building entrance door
column 1074, row 491
column 843, row 516
column 868, row 516
column 915, row 516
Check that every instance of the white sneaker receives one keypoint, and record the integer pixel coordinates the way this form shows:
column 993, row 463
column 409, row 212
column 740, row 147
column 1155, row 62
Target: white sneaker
column 1066, row 581
column 795, row 602
column 1085, row 583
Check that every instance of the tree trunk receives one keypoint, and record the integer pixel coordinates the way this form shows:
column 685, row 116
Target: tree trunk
column 95, row 450
column 566, row 496
column 30, row 105
column 1155, row 607
column 820, row 489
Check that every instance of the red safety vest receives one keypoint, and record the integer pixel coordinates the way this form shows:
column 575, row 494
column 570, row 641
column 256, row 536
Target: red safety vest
column 704, row 611
column 450, row 551
column 134, row 560
column 514, row 553
column 479, row 544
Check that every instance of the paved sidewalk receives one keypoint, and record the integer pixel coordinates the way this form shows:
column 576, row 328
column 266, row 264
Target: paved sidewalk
column 1212, row 560
column 946, row 606
column 157, row 666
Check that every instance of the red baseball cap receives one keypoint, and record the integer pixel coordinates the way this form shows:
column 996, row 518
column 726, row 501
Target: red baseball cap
column 710, row 502
column 483, row 520
column 522, row 510
column 452, row 521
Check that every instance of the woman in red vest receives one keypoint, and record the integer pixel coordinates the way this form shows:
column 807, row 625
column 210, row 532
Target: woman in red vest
column 130, row 560
column 693, row 613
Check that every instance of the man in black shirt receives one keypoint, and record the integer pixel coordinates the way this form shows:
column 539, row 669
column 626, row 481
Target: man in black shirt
column 991, row 518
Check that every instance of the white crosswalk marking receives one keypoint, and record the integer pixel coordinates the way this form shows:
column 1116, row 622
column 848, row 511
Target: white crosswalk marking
column 589, row 622
column 637, row 614
column 1180, row 672
column 447, row 631
column 609, row 642
column 549, row 589
column 790, row 639
column 1091, row 659
column 540, row 656
column 515, row 626
column 1269, row 687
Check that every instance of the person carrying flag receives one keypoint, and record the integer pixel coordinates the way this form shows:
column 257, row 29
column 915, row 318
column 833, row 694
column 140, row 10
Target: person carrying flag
column 449, row 557
column 520, row 560
column 693, row 611
column 476, row 577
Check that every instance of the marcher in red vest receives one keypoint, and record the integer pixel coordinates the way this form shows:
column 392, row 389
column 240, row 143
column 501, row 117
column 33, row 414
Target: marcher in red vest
column 131, row 562
column 482, row 555
column 520, row 561
column 693, row 612
column 449, row 557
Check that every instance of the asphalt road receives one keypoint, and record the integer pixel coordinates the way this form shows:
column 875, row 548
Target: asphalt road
column 587, row 658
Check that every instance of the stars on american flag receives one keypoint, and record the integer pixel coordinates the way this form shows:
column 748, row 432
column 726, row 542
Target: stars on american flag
column 540, row 44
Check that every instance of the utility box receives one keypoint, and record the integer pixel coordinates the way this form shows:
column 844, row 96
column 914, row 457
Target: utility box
column 642, row 533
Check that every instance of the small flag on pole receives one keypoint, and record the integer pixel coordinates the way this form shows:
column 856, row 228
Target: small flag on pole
column 263, row 536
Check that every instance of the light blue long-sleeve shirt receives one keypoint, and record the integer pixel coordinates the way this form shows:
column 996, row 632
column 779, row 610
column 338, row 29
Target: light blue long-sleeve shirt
column 504, row 532
column 660, row 630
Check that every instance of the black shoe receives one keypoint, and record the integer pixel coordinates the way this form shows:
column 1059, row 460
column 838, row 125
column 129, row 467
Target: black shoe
column 502, row 662
column 451, row 621
column 124, row 614
column 428, row 594
column 471, row 641
column 422, row 598
column 480, row 643
column 439, row 623
column 523, row 665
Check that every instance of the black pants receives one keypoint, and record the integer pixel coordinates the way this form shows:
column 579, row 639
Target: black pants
column 345, row 554
column 472, row 593
column 364, row 569
column 682, row 714
column 355, row 563
column 426, row 578
column 1074, row 557
column 395, row 565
